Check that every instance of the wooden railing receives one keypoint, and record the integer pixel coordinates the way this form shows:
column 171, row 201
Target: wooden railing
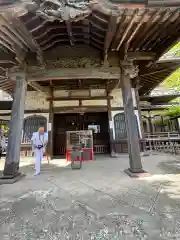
column 162, row 135
column 167, row 142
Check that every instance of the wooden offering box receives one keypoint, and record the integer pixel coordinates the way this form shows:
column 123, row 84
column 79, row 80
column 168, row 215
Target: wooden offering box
column 81, row 140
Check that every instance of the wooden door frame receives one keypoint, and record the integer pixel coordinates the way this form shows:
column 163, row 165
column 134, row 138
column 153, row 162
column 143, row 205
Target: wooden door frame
column 96, row 109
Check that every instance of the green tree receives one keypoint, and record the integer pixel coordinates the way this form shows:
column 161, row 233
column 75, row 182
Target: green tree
column 173, row 81
column 176, row 49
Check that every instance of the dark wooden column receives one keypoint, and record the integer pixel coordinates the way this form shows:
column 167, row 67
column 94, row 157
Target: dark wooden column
column 11, row 168
column 139, row 111
column 143, row 144
column 128, row 70
column 50, row 129
column 112, row 152
column 150, row 123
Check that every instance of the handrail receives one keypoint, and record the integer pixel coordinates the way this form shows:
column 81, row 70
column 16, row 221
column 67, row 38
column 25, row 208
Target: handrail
column 162, row 135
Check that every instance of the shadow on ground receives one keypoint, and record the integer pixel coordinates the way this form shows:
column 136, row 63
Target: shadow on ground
column 45, row 167
column 97, row 202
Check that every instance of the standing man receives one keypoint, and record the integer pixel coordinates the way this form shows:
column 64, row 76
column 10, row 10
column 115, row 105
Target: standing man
column 39, row 141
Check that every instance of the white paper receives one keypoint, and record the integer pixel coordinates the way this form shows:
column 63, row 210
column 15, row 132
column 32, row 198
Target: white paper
column 49, row 126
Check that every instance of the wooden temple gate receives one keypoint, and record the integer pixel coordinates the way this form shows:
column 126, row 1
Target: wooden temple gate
column 83, row 46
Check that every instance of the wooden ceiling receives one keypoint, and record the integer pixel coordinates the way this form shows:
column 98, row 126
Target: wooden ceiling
column 158, row 100
column 150, row 78
column 144, row 33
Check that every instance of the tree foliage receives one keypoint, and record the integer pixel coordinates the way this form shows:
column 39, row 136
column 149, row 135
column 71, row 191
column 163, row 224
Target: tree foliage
column 173, row 81
column 176, row 49
column 172, row 112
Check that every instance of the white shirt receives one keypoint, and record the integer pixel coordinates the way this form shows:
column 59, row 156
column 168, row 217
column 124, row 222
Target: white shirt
column 39, row 139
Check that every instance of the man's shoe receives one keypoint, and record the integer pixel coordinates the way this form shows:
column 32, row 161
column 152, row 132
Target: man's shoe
column 36, row 174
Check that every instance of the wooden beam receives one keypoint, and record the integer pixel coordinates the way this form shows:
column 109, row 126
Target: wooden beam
column 10, row 35
column 128, row 29
column 39, row 88
column 18, row 33
column 136, row 29
column 69, row 31
column 110, row 34
column 141, row 55
column 28, row 37
column 119, row 30
column 154, row 28
column 111, row 73
column 7, row 21
column 136, row 43
column 79, row 98
column 155, row 72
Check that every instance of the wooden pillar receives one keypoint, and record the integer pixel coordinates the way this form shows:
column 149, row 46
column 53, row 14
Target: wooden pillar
column 148, row 125
column 112, row 152
column 139, row 111
column 11, row 167
column 140, row 116
column 162, row 124
column 127, row 71
column 151, row 124
column 50, row 129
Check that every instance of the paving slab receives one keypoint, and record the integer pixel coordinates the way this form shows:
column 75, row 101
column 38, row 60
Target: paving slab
column 98, row 201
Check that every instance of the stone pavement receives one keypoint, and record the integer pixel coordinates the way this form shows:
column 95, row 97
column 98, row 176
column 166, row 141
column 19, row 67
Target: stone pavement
column 97, row 202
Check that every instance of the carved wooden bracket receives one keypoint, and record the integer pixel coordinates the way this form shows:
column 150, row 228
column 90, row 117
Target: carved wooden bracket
column 129, row 68
column 63, row 10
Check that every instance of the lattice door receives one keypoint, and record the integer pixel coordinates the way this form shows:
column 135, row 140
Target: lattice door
column 32, row 124
column 120, row 126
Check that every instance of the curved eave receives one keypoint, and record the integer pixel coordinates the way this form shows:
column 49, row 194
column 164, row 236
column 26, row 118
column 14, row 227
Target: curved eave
column 162, row 99
column 153, row 76
column 140, row 29
column 149, row 30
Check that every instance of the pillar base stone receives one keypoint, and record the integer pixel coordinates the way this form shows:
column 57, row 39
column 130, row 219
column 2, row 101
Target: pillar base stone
column 139, row 174
column 11, row 169
column 10, row 179
column 145, row 154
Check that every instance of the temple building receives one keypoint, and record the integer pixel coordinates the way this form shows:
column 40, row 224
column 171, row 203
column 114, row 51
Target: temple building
column 74, row 65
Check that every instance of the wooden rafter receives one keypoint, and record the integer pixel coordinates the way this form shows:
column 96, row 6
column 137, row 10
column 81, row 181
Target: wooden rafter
column 39, row 88
column 19, row 40
column 166, row 25
column 136, row 29
column 69, row 31
column 152, row 73
column 86, row 30
column 6, row 45
column 153, row 29
column 119, row 29
column 32, row 43
column 146, row 29
column 8, row 22
column 141, row 55
column 127, row 29
column 11, row 39
column 110, row 34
